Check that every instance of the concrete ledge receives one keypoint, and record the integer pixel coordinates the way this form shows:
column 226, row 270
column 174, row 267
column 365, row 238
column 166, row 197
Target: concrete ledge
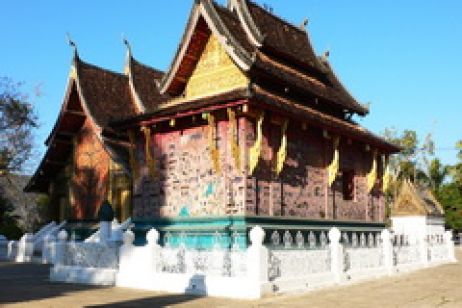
column 307, row 283
column 75, row 274
column 196, row 284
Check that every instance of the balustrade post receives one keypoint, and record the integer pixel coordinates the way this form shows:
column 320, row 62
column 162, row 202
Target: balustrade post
column 3, row 247
column 387, row 251
column 257, row 258
column 105, row 216
column 449, row 246
column 152, row 238
column 126, row 253
column 423, row 249
column 12, row 251
column 336, row 254
column 60, row 248
column 48, row 249
column 25, row 248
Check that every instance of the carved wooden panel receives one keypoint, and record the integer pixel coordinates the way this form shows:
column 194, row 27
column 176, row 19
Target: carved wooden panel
column 215, row 72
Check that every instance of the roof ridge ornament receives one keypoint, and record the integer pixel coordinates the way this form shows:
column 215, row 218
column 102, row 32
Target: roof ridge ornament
column 325, row 55
column 304, row 24
column 72, row 43
column 247, row 21
column 75, row 57
column 128, row 56
column 127, row 44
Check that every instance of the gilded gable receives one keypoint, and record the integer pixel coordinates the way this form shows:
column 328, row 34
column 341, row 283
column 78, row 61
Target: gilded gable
column 215, row 72
column 406, row 204
column 414, row 200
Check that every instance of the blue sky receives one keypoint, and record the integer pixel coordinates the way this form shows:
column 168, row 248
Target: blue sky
column 404, row 57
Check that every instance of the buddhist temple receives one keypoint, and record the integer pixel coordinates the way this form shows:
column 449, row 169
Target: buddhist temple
column 247, row 126
column 417, row 212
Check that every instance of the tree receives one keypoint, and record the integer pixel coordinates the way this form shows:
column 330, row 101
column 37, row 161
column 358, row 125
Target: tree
column 17, row 120
column 435, row 175
column 450, row 193
column 456, row 170
column 413, row 161
column 450, row 197
column 8, row 221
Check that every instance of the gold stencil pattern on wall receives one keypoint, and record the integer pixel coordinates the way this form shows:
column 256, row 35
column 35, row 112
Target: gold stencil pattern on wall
column 333, row 168
column 387, row 173
column 215, row 72
column 132, row 153
column 212, row 134
column 255, row 150
column 148, row 153
column 233, row 136
column 282, row 152
column 371, row 177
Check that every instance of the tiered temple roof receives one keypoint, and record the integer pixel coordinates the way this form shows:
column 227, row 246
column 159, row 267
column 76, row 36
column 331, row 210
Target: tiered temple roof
column 101, row 96
column 276, row 58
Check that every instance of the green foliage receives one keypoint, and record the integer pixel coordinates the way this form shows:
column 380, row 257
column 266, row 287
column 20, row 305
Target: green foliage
column 407, row 164
column 436, row 174
column 17, row 119
column 450, row 196
column 417, row 163
column 43, row 206
column 8, row 221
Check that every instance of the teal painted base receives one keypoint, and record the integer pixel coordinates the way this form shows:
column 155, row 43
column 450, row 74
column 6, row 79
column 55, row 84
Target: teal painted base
column 205, row 232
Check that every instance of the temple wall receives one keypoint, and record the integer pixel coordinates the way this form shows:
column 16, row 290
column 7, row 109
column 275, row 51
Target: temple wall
column 186, row 184
column 90, row 173
column 301, row 189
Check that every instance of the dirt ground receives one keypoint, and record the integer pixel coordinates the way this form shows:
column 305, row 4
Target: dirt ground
column 27, row 285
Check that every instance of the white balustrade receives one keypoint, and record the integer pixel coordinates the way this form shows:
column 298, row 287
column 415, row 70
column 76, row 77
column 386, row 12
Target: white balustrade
column 296, row 260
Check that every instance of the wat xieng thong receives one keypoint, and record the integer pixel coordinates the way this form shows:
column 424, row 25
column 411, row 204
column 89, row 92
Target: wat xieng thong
column 248, row 126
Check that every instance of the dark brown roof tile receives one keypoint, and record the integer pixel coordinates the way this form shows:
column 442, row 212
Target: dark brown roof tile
column 106, row 93
column 144, row 82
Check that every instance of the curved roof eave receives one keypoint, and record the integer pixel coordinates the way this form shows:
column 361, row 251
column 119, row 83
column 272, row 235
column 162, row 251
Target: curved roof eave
column 205, row 9
column 67, row 93
column 247, row 22
column 138, row 102
column 360, row 109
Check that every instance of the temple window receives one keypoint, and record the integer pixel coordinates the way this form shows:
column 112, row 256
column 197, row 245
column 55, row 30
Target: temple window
column 348, row 177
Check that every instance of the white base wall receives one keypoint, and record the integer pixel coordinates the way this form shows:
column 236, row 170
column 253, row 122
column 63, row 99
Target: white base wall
column 417, row 226
column 308, row 283
column 195, row 284
column 87, row 275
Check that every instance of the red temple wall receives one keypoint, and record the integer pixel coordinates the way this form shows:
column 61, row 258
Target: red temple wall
column 90, row 173
column 301, row 189
column 187, row 184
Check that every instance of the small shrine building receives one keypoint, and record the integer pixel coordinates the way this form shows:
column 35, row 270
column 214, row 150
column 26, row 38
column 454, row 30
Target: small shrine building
column 417, row 213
